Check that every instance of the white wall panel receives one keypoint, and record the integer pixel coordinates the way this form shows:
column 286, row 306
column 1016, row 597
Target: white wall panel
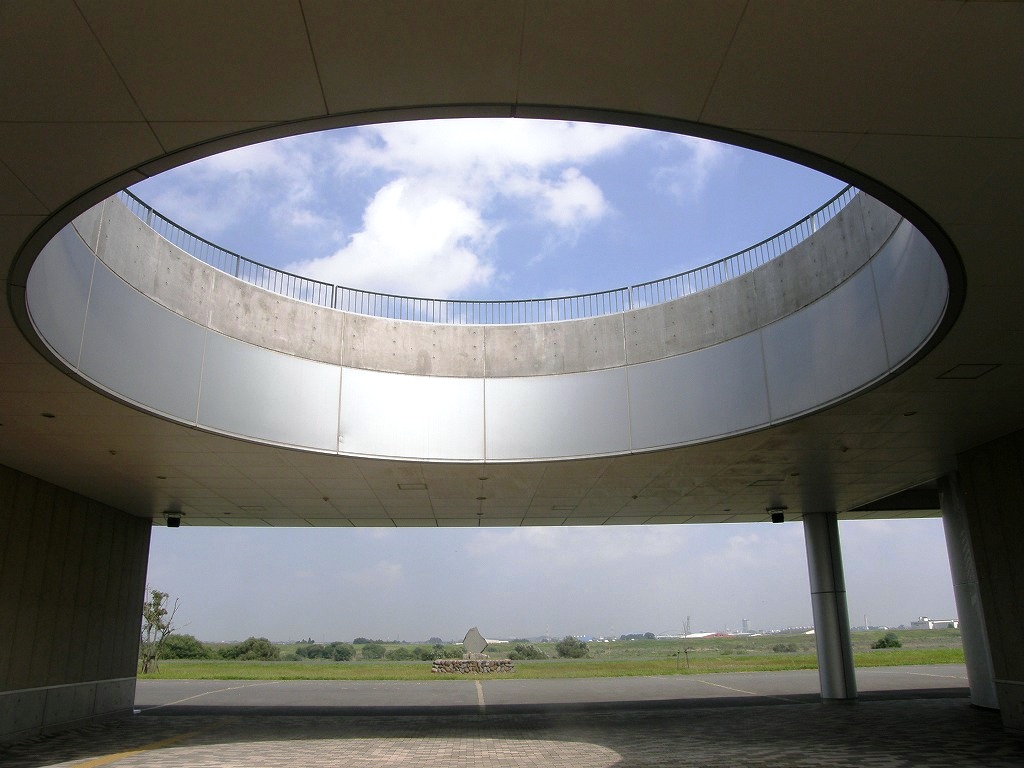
column 391, row 414
column 263, row 395
column 138, row 349
column 577, row 414
column 708, row 393
column 826, row 350
column 912, row 291
column 58, row 292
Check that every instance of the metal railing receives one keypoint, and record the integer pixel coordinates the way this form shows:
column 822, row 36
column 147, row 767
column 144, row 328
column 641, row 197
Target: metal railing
column 466, row 312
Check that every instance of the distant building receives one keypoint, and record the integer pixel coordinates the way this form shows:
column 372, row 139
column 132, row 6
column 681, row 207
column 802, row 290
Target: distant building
column 925, row 623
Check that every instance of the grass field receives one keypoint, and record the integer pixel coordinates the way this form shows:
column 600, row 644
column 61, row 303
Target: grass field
column 619, row 659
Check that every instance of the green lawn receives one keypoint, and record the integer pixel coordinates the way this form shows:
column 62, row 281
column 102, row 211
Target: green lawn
column 620, row 659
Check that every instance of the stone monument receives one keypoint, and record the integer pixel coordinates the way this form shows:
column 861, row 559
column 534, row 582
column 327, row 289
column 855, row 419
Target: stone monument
column 474, row 645
column 473, row 659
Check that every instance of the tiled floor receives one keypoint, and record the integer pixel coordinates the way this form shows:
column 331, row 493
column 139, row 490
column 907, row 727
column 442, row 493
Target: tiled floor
column 907, row 732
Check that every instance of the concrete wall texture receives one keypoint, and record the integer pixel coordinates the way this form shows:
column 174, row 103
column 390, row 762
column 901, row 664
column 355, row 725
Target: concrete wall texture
column 72, row 582
column 992, row 479
column 137, row 317
column 215, row 300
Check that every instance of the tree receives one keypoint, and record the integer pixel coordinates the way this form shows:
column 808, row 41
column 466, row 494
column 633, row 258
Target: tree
column 571, row 648
column 157, row 625
column 397, row 654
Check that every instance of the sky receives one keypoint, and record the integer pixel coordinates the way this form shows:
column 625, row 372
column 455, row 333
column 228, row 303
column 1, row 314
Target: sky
column 500, row 209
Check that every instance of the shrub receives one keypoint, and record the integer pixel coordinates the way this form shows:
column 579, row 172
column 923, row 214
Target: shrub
column 331, row 651
column 571, row 648
column 397, row 654
column 784, row 648
column 522, row 651
column 889, row 641
column 436, row 651
column 252, row 649
column 184, row 647
column 373, row 651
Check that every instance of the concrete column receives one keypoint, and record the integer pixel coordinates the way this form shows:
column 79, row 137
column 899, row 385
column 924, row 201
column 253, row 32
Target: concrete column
column 967, row 592
column 828, row 601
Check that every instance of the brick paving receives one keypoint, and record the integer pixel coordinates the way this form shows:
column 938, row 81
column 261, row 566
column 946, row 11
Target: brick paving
column 877, row 734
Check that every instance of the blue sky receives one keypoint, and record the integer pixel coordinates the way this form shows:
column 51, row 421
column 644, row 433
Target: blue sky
column 495, row 210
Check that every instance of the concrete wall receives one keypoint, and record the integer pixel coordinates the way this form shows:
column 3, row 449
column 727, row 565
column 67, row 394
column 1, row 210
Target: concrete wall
column 241, row 311
column 132, row 314
column 72, row 582
column 992, row 478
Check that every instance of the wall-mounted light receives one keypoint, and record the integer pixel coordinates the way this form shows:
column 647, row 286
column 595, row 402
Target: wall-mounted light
column 777, row 514
column 173, row 518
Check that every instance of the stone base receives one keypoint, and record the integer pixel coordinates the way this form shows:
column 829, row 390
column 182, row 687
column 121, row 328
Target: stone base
column 468, row 666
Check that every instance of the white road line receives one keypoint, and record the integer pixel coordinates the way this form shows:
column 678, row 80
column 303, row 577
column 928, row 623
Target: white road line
column 945, row 677
column 480, row 697
column 207, row 693
column 749, row 693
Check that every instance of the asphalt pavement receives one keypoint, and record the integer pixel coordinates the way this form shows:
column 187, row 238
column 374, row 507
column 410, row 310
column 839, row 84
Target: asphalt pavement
column 460, row 695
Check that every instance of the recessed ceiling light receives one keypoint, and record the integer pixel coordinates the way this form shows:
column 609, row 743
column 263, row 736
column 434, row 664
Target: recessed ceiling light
column 48, row 415
column 253, row 509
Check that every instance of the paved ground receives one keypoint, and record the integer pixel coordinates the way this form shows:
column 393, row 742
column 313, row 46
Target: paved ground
column 297, row 697
column 761, row 721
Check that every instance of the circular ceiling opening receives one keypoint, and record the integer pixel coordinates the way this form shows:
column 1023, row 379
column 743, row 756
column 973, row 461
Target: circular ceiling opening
column 487, row 209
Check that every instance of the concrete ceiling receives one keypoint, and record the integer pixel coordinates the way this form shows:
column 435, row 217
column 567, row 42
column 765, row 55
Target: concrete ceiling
column 916, row 102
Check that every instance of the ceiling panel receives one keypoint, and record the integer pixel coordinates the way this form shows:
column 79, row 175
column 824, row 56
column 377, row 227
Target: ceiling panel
column 238, row 61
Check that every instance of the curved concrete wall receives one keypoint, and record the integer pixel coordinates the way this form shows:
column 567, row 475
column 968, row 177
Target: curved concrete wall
column 134, row 315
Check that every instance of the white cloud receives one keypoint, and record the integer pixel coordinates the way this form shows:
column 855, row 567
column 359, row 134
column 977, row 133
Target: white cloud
column 694, row 160
column 418, row 208
column 278, row 180
column 413, row 242
column 452, row 188
column 495, row 149
column 569, row 200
